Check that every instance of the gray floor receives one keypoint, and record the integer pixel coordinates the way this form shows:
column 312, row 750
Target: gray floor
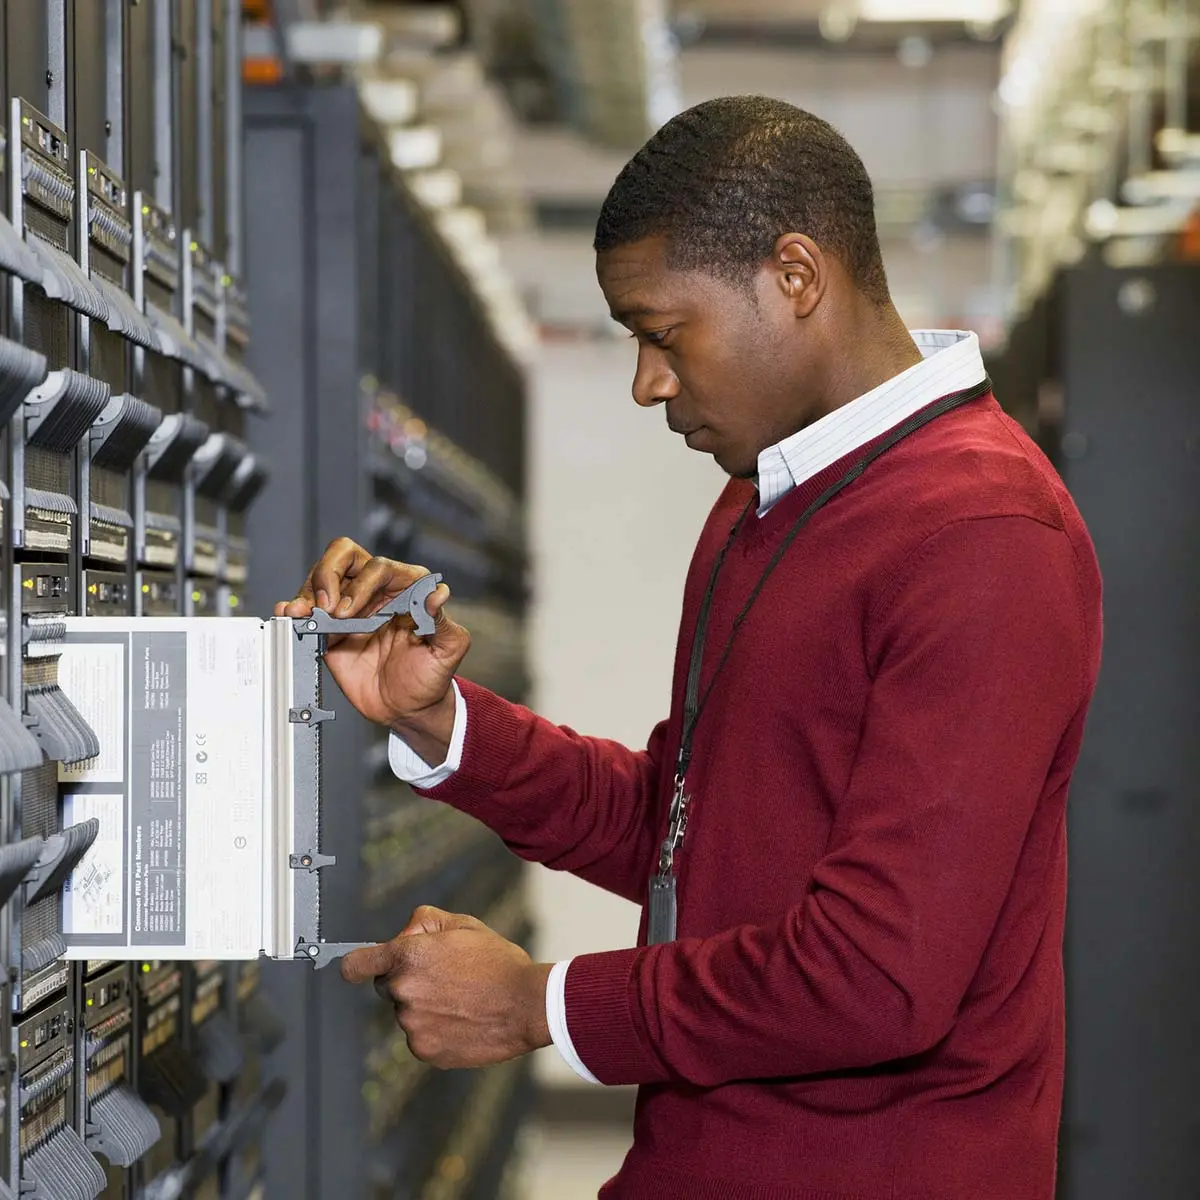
column 570, row 1163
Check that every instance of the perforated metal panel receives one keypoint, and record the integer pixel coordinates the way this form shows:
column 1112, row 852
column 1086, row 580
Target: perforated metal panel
column 47, row 328
column 39, row 801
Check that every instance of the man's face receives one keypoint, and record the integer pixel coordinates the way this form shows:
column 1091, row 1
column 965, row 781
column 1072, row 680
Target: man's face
column 726, row 361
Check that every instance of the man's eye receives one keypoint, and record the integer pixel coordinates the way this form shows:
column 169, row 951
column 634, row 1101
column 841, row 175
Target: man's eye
column 657, row 337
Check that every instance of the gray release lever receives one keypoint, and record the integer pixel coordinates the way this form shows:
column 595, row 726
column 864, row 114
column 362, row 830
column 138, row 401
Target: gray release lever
column 411, row 601
column 321, row 954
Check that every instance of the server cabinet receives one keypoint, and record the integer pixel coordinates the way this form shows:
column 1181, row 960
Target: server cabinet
column 340, row 261
column 300, row 283
column 9, row 1097
column 121, row 432
column 118, row 1124
column 187, row 116
column 96, row 110
column 27, row 44
column 159, row 378
column 54, row 1159
column 121, row 1077
column 149, row 61
column 1130, row 454
column 214, row 89
column 169, row 1078
column 214, row 1043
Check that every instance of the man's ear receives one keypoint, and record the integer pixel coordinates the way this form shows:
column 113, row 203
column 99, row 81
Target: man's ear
column 801, row 272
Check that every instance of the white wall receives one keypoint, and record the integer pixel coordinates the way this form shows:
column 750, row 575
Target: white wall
column 616, row 504
column 935, row 124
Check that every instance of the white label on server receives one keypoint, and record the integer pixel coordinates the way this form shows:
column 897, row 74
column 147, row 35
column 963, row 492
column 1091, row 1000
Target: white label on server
column 225, row 785
column 93, row 676
column 94, row 895
column 178, row 706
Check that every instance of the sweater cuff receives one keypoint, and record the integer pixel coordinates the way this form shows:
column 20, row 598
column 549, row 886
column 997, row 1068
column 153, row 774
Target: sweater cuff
column 488, row 749
column 604, row 1029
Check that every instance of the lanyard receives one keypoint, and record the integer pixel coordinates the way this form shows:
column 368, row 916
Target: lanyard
column 662, row 885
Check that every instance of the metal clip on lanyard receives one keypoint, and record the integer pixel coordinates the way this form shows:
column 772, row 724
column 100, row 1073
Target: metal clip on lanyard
column 662, row 913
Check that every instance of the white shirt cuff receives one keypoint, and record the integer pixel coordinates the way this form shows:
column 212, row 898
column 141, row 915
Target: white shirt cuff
column 413, row 769
column 556, row 1019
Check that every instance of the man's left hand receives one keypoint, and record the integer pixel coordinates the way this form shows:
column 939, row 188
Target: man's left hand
column 463, row 995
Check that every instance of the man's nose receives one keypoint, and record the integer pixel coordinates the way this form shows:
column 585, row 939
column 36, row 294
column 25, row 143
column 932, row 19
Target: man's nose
column 654, row 382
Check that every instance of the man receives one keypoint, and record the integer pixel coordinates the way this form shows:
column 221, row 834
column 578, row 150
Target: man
column 849, row 834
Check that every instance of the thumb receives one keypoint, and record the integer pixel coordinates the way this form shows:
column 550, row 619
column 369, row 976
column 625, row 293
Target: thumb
column 369, row 962
column 449, row 636
column 427, row 919
column 435, row 603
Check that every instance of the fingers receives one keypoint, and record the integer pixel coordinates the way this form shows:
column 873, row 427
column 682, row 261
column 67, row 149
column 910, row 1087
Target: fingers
column 376, row 582
column 348, row 581
column 342, row 560
column 427, row 919
column 371, row 962
column 302, row 605
column 389, row 958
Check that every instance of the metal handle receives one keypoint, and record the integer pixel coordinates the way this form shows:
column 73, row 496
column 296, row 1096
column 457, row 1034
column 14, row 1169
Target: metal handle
column 410, row 601
column 321, row 954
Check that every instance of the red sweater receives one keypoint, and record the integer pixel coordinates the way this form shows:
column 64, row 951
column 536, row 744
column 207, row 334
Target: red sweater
column 866, row 997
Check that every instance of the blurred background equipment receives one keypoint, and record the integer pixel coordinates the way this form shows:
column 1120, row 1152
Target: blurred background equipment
column 276, row 271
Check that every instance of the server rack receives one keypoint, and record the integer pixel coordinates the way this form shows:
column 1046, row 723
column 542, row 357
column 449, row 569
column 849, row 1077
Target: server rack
column 1129, row 445
column 403, row 427
column 135, row 479
column 124, row 481
column 1102, row 368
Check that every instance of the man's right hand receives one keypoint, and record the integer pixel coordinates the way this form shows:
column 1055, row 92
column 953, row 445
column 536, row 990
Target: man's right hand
column 391, row 676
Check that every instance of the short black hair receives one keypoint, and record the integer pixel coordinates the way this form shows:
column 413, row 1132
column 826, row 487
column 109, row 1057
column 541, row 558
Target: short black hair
column 725, row 179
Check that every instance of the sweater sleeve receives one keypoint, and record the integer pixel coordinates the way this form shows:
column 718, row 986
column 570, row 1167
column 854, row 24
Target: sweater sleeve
column 578, row 804
column 983, row 657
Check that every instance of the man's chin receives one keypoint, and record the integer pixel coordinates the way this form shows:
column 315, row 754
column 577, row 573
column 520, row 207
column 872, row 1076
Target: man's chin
column 728, row 462
column 736, row 470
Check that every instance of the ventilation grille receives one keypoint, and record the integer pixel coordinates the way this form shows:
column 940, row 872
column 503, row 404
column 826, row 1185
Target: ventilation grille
column 39, row 801
column 108, row 361
column 163, row 383
column 47, row 471
column 41, row 926
column 47, row 328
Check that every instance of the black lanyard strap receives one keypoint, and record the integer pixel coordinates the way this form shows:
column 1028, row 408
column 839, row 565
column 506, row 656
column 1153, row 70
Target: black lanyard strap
column 661, row 908
column 693, row 705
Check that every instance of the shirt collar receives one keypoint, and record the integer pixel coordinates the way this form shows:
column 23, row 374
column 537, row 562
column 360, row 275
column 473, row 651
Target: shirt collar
column 951, row 362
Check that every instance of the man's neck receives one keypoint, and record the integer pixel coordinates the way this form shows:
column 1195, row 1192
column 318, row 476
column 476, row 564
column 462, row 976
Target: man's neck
column 883, row 349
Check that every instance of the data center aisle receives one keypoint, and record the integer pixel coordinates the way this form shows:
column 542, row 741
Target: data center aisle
column 572, row 1162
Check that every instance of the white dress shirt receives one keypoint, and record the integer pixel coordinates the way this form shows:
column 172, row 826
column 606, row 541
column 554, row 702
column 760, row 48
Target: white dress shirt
column 952, row 362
